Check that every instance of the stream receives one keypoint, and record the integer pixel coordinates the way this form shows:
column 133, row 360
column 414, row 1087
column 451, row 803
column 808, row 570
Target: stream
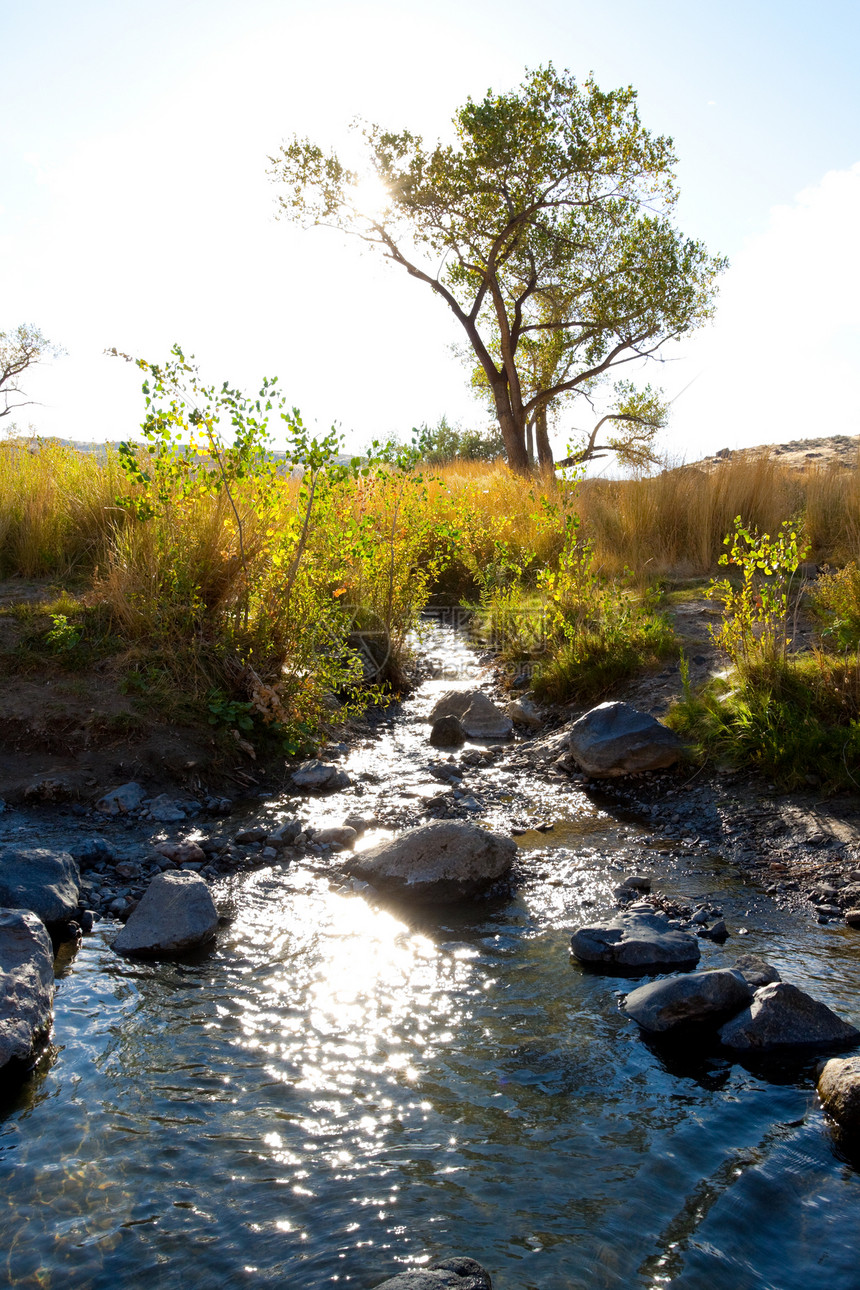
column 341, row 1089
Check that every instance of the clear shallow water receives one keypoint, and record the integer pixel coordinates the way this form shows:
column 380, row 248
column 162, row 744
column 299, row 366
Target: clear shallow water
column 339, row 1090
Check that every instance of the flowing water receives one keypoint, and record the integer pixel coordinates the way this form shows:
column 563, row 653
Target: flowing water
column 340, row 1090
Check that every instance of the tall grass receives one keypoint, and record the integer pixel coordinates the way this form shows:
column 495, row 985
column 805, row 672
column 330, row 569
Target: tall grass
column 58, row 512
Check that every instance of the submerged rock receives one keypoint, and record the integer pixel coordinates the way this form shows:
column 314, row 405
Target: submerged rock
column 617, row 739
column 635, row 944
column 26, row 985
column 340, row 837
column 695, row 999
column 45, row 882
column 451, row 1274
column 839, row 1090
column 176, row 914
column 444, row 861
column 781, row 1016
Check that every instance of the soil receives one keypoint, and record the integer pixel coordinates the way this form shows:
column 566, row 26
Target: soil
column 839, row 450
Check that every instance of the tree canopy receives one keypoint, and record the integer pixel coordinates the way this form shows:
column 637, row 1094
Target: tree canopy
column 545, row 226
column 20, row 349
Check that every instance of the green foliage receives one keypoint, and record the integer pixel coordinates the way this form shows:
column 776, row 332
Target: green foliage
column 444, row 443
column 796, row 722
column 63, row 636
column 550, row 214
column 755, row 622
column 835, row 600
column 582, row 632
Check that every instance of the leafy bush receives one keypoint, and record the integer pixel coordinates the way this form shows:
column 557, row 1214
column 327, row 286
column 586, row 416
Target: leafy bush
column 835, row 601
column 445, row 443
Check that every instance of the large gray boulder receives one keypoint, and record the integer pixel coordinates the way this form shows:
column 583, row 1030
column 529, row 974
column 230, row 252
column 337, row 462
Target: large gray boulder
column 781, row 1016
column 699, row 998
column 444, row 861
column 176, row 914
column 839, row 1090
column 45, row 882
column 617, row 739
column 477, row 714
column 451, row 1274
column 26, row 985
column 635, row 943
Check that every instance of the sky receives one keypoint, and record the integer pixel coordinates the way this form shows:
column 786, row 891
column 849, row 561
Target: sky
column 136, row 211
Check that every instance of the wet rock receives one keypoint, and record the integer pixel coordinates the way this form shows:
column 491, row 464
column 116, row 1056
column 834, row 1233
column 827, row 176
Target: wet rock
column 782, row 1016
column 218, row 805
column 178, row 852
column 45, row 882
column 360, row 823
column 478, row 715
column 756, row 971
column 447, row 732
column 451, row 1274
column 91, row 851
column 26, row 985
column 246, row 836
column 635, row 943
column 453, row 703
column 636, row 882
column 338, row 836
column 318, row 776
column 718, row 933
column 839, row 1090
column 483, row 720
column 48, row 789
column 695, row 999
column 176, row 914
column 441, row 862
column 285, row 834
column 86, row 920
column 119, row 801
column 852, row 917
column 617, row 739
column 524, row 713
column 165, row 810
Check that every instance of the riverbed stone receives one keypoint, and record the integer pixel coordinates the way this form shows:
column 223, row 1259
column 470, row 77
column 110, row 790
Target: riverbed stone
column 476, row 712
column 757, row 971
column 45, row 882
column 178, row 852
column 451, row 1274
column 839, row 1090
column 340, row 837
column 635, row 943
column 26, row 985
column 443, row 862
column 694, row 999
column 782, row 1016
column 447, row 732
column 524, row 713
column 483, row 720
column 319, row 776
column 119, row 801
column 165, row 810
column 175, row 914
column 617, row 739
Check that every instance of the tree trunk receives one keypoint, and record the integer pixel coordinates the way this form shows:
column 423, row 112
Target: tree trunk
column 544, row 451
column 530, row 442
column 513, row 429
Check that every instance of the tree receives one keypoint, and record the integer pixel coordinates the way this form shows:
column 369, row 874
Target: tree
column 545, row 227
column 20, row 349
